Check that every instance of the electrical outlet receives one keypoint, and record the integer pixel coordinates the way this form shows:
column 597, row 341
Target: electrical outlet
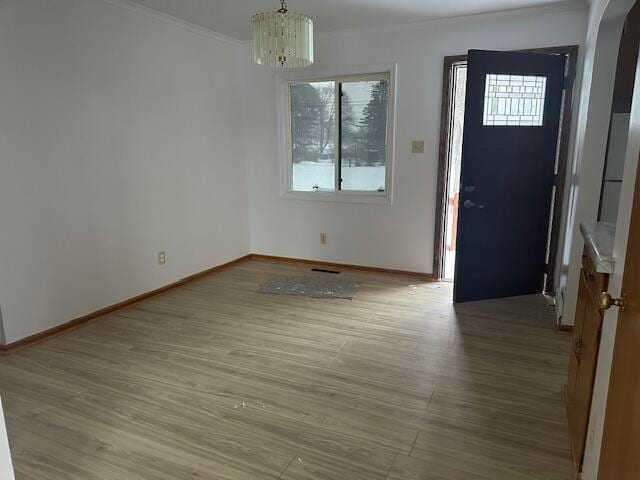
column 323, row 238
column 417, row 146
column 162, row 258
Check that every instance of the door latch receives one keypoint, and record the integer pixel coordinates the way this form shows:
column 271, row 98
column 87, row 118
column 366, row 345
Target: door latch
column 470, row 204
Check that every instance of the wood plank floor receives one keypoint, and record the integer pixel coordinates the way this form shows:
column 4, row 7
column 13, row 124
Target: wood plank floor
column 216, row 381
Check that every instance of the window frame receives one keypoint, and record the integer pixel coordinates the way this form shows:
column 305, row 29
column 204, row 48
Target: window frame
column 284, row 82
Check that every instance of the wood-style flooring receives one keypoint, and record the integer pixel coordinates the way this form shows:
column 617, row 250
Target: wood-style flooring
column 216, row 381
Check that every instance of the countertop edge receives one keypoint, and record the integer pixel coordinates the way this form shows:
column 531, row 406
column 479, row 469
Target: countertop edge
column 598, row 239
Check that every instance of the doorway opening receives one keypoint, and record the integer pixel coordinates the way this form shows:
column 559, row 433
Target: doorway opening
column 458, row 93
column 620, row 118
column 449, row 166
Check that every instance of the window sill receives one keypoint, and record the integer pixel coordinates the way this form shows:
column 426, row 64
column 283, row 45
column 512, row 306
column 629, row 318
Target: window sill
column 383, row 198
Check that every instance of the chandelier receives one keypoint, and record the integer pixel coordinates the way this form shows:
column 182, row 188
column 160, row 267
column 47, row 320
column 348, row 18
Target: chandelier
column 282, row 39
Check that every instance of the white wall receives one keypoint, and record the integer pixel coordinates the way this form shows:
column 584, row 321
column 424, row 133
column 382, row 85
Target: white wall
column 605, row 355
column 584, row 181
column 6, row 468
column 616, row 156
column 605, row 25
column 399, row 236
column 120, row 136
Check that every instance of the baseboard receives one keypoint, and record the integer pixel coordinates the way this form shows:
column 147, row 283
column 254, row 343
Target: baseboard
column 78, row 322
column 565, row 329
column 303, row 261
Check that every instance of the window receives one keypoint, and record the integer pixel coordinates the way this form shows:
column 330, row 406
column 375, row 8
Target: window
column 514, row 100
column 313, row 121
column 338, row 134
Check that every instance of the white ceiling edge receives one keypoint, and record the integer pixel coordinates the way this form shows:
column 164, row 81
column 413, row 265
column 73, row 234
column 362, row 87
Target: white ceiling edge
column 176, row 21
column 560, row 7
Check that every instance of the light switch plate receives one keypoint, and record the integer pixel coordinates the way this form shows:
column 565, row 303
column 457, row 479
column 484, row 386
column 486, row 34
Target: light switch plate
column 417, row 146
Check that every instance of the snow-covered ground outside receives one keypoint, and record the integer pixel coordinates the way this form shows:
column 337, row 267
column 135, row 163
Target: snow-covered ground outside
column 308, row 174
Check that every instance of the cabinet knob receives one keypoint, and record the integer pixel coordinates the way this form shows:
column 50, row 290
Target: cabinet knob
column 607, row 301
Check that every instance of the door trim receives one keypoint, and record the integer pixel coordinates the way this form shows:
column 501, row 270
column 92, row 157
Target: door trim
column 562, row 161
column 442, row 178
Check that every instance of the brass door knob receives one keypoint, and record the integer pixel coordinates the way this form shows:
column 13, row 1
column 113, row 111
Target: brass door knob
column 607, row 301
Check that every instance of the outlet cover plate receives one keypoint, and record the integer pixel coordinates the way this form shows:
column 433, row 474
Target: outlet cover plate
column 417, row 146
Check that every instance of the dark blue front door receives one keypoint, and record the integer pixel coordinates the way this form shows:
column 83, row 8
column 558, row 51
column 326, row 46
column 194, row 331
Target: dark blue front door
column 509, row 150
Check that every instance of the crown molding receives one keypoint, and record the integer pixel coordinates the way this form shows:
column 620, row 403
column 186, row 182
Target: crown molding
column 176, row 21
column 562, row 7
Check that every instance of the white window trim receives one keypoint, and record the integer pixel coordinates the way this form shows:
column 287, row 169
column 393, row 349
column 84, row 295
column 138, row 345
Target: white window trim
column 283, row 81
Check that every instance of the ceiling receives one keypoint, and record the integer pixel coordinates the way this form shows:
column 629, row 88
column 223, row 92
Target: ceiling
column 232, row 17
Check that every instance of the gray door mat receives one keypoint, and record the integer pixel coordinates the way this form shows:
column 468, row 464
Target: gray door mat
column 314, row 286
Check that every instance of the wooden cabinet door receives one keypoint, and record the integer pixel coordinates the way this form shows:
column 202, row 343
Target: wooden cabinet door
column 574, row 362
column 583, row 364
column 620, row 455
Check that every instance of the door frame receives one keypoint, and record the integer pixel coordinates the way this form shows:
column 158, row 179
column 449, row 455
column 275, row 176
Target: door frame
column 450, row 61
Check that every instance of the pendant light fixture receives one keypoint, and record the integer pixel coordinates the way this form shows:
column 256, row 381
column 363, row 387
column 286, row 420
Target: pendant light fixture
column 282, row 39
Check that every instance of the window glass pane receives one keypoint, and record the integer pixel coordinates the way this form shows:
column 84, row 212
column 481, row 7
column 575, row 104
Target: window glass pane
column 313, row 115
column 364, row 135
column 514, row 100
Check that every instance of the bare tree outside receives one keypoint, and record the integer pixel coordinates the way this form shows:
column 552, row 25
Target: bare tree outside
column 363, row 123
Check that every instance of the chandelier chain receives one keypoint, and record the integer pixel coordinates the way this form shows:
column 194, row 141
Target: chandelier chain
column 283, row 8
